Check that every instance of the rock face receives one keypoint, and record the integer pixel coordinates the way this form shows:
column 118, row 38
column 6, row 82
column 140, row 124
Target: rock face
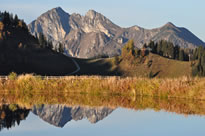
column 59, row 115
column 94, row 35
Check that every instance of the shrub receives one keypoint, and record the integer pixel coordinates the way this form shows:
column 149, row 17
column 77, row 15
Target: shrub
column 13, row 107
column 12, row 76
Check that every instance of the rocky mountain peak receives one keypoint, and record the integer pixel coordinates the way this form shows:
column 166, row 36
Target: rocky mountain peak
column 169, row 24
column 91, row 14
column 58, row 10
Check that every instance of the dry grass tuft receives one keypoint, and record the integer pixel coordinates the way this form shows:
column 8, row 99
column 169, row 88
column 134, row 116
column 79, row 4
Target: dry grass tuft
column 184, row 87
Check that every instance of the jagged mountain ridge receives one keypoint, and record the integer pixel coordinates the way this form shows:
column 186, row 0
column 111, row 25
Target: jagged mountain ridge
column 94, row 34
column 59, row 115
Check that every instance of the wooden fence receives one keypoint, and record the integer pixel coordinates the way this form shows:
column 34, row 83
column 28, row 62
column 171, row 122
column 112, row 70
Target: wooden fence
column 67, row 77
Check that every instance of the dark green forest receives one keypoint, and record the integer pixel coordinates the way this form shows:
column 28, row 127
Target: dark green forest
column 168, row 50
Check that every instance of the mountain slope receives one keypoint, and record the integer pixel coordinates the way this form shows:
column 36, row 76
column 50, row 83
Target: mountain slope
column 95, row 35
column 20, row 52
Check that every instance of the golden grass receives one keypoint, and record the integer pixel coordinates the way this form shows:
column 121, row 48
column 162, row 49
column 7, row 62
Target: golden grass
column 166, row 68
column 184, row 87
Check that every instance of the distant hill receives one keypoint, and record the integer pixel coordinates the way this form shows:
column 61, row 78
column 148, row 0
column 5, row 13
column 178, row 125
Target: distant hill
column 20, row 52
column 95, row 35
column 151, row 65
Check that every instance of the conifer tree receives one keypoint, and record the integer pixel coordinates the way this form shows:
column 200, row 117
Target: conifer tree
column 181, row 55
column 61, row 48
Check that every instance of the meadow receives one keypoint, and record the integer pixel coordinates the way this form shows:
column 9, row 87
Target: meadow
column 183, row 88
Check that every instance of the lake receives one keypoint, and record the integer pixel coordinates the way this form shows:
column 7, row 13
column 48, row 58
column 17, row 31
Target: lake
column 150, row 117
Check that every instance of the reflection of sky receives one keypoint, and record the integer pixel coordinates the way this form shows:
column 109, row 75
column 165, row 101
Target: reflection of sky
column 121, row 122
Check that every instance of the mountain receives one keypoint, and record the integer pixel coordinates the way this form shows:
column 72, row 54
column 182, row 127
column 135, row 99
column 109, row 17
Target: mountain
column 84, row 36
column 95, row 35
column 177, row 35
column 59, row 115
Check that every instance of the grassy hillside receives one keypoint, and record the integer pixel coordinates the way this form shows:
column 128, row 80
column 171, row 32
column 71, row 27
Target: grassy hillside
column 103, row 66
column 152, row 64
column 39, row 62
column 20, row 52
column 138, row 63
column 156, row 66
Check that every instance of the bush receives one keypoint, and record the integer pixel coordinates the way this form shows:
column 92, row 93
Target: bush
column 13, row 107
column 12, row 76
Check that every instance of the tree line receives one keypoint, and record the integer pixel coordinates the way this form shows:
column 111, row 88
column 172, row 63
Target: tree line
column 45, row 43
column 168, row 50
column 198, row 68
column 10, row 20
column 162, row 48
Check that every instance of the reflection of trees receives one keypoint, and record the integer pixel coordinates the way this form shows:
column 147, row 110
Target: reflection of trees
column 11, row 115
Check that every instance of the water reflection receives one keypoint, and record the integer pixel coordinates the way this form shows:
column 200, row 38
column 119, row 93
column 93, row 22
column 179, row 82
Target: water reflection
column 59, row 110
column 10, row 115
column 59, row 115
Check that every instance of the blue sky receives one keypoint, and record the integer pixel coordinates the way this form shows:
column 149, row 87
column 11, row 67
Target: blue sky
column 145, row 13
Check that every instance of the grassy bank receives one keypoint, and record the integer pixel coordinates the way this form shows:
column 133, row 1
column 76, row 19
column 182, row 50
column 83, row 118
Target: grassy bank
column 184, row 87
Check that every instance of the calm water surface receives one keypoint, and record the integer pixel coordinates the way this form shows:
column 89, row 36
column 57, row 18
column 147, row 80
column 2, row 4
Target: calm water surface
column 60, row 120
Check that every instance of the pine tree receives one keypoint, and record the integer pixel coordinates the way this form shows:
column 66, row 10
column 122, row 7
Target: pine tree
column 176, row 52
column 203, row 64
column 159, row 48
column 170, row 50
column 200, row 51
column 128, row 49
column 152, row 46
column 181, row 55
column 195, row 56
column 42, row 40
column 16, row 20
column 6, row 18
column 61, row 48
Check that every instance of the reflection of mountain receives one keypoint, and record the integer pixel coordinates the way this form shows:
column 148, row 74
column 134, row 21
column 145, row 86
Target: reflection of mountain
column 54, row 114
column 59, row 115
column 10, row 115
column 92, row 114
